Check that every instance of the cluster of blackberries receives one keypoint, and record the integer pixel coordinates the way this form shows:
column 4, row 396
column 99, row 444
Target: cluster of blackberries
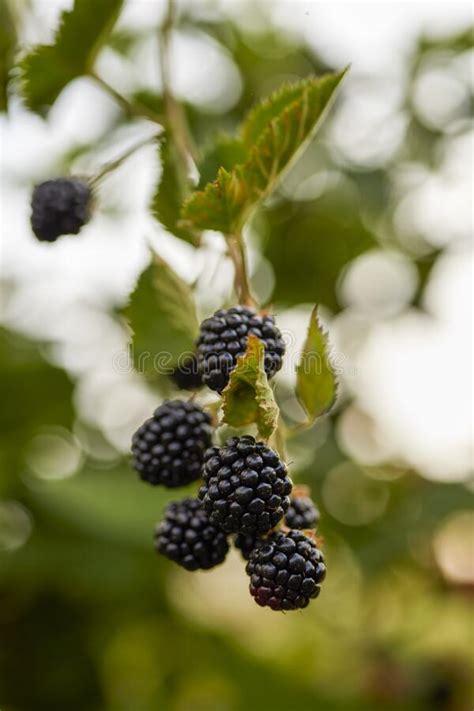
column 60, row 207
column 246, row 493
column 222, row 339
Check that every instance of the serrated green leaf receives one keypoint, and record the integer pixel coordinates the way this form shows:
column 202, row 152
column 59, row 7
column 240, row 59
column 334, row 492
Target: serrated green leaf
column 248, row 397
column 225, row 152
column 47, row 69
column 258, row 118
column 168, row 198
column 316, row 385
column 274, row 133
column 162, row 316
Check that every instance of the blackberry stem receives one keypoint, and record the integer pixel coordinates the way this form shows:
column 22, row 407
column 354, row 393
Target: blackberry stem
column 236, row 249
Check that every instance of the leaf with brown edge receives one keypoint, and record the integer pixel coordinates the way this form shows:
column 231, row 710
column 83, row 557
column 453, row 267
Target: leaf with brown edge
column 248, row 397
column 316, row 384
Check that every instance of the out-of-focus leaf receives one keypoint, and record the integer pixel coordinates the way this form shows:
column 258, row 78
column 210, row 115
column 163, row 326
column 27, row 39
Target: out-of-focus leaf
column 248, row 397
column 149, row 99
column 47, row 69
column 316, row 385
column 85, row 502
column 7, row 51
column 162, row 316
column 34, row 394
column 168, row 198
column 275, row 134
column 309, row 243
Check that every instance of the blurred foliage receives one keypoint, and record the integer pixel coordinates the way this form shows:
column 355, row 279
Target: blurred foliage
column 82, row 32
column 90, row 618
column 163, row 318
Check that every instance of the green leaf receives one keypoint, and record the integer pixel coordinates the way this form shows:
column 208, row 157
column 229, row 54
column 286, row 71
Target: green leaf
column 225, row 152
column 273, row 135
column 162, row 316
column 248, row 397
column 25, row 374
column 7, row 51
column 81, row 34
column 316, row 385
column 168, row 198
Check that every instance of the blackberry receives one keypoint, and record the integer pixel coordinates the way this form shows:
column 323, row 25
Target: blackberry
column 286, row 572
column 246, row 488
column 302, row 513
column 187, row 537
column 186, row 375
column 247, row 542
column 169, row 447
column 223, row 338
column 60, row 207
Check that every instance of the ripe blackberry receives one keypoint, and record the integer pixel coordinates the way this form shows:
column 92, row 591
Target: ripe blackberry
column 223, row 338
column 60, row 207
column 302, row 513
column 286, row 572
column 186, row 375
column 247, row 542
column 169, row 448
column 246, row 487
column 187, row 537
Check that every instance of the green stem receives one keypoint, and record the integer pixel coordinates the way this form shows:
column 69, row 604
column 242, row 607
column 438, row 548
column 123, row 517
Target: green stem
column 176, row 121
column 236, row 249
column 136, row 109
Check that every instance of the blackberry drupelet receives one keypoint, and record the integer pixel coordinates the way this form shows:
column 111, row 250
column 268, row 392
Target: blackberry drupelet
column 169, row 448
column 60, row 207
column 187, row 537
column 302, row 513
column 187, row 375
column 246, row 488
column 223, row 338
column 286, row 572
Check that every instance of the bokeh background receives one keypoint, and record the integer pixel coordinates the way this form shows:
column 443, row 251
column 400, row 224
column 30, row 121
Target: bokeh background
column 374, row 223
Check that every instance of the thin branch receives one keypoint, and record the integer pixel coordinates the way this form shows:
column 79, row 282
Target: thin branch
column 113, row 164
column 131, row 109
column 175, row 116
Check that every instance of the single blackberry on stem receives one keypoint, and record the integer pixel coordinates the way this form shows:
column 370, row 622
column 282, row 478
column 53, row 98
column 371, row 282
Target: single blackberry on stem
column 60, row 207
column 286, row 572
column 187, row 375
column 187, row 537
column 223, row 338
column 169, row 447
column 302, row 512
column 246, row 488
